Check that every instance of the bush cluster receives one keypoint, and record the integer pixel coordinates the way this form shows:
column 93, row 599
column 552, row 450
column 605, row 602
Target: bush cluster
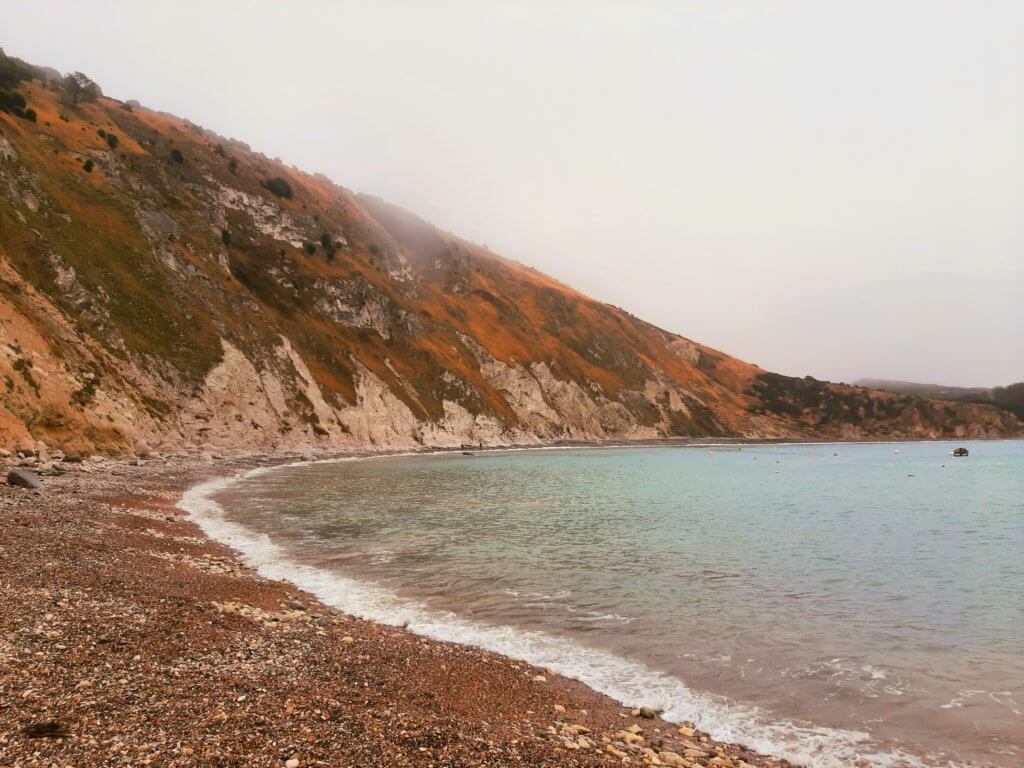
column 110, row 138
column 279, row 187
column 330, row 247
column 14, row 102
column 11, row 101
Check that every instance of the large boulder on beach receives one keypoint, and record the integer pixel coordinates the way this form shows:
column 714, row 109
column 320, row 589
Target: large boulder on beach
column 24, row 478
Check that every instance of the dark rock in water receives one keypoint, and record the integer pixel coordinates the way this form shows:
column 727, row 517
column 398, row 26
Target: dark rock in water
column 46, row 729
column 24, row 478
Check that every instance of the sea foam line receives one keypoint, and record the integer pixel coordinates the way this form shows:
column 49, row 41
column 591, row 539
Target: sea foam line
column 628, row 682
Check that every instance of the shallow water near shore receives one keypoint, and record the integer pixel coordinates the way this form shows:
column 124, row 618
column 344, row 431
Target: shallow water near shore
column 836, row 604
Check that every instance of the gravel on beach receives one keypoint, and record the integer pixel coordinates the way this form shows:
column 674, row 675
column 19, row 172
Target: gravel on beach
column 127, row 638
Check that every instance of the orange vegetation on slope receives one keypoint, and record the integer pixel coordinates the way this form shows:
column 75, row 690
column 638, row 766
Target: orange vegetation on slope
column 175, row 246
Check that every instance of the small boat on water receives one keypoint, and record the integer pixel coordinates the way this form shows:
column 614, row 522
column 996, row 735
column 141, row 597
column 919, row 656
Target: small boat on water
column 959, row 452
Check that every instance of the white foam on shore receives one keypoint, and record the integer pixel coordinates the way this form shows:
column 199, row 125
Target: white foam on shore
column 629, row 682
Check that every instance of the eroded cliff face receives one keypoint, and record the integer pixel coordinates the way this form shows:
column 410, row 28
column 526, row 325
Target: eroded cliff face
column 172, row 290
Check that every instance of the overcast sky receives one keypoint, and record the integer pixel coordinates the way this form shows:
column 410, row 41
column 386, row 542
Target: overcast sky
column 833, row 188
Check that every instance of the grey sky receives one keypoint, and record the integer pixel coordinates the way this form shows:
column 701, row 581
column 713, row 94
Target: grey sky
column 834, row 188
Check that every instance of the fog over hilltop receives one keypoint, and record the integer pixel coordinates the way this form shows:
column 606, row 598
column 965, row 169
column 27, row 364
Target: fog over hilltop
column 820, row 187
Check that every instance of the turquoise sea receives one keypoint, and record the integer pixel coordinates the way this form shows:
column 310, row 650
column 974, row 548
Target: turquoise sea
column 836, row 604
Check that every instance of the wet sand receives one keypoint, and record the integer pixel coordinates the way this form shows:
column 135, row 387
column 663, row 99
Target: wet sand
column 128, row 638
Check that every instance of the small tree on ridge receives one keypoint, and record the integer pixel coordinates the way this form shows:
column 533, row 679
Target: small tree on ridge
column 78, row 87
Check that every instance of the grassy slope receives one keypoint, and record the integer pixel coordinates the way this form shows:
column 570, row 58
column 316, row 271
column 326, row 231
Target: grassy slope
column 163, row 300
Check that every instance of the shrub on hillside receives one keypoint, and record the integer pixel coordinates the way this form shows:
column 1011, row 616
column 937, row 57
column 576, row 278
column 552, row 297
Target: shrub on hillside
column 310, row 248
column 13, row 102
column 176, row 155
column 225, row 237
column 278, row 186
column 112, row 140
column 330, row 248
column 88, row 166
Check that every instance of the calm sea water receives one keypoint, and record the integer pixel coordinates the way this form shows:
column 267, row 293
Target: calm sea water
column 836, row 604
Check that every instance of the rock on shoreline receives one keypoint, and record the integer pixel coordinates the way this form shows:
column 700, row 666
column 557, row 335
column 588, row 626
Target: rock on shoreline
column 24, row 478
